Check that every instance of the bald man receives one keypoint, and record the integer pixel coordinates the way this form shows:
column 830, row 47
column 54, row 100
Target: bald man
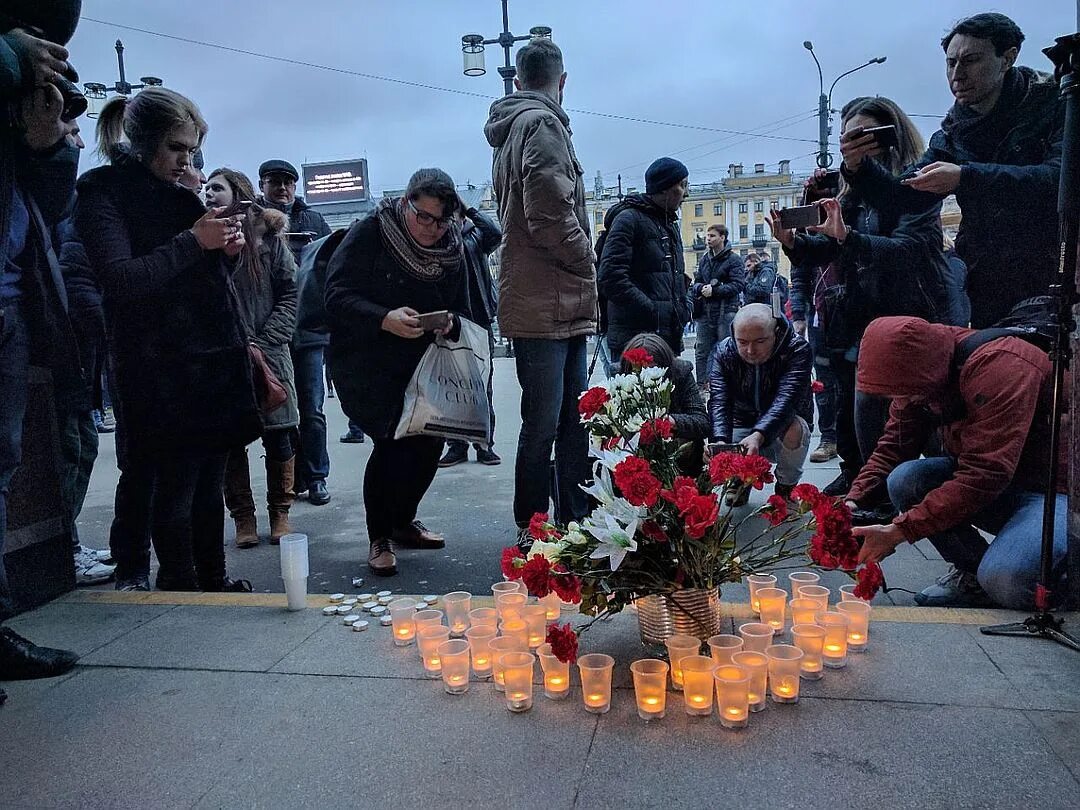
column 759, row 393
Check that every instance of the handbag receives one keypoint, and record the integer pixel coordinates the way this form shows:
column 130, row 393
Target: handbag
column 269, row 392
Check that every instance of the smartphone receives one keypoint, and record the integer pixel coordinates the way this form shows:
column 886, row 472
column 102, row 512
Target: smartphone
column 430, row 321
column 885, row 136
column 238, row 207
column 802, row 216
column 725, row 447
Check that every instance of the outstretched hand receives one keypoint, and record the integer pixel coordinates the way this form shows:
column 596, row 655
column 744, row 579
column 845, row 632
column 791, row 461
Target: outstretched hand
column 937, row 178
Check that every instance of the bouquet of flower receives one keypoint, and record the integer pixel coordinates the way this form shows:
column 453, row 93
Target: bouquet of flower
column 657, row 530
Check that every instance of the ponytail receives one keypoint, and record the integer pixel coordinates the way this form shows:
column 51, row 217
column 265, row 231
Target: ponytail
column 110, row 130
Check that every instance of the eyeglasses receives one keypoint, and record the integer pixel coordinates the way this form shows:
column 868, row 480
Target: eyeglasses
column 424, row 218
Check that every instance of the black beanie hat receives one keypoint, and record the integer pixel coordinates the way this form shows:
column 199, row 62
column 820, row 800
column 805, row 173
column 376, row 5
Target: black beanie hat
column 663, row 174
column 56, row 18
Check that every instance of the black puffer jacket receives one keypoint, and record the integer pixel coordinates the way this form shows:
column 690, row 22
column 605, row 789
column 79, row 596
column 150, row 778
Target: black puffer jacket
column 766, row 397
column 480, row 235
column 726, row 272
column 177, row 353
column 302, row 219
column 641, row 274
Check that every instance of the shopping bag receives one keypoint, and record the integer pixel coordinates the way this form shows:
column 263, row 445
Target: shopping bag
column 448, row 393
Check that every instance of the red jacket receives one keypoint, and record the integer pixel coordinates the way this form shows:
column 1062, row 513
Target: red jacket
column 994, row 417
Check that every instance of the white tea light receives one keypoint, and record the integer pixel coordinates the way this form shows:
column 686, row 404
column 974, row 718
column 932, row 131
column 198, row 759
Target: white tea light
column 352, row 618
column 329, row 610
column 369, row 606
column 336, row 597
column 360, row 626
column 386, row 621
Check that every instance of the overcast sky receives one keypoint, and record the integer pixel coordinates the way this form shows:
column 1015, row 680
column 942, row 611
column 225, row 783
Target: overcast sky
column 696, row 63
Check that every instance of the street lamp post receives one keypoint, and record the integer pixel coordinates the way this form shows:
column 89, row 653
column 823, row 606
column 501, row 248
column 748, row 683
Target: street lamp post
column 824, row 159
column 96, row 92
column 472, row 49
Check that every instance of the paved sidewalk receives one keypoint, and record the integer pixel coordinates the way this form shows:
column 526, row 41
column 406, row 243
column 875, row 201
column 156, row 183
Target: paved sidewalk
column 222, row 700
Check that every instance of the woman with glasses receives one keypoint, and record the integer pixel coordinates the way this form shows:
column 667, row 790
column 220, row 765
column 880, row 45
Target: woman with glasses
column 403, row 260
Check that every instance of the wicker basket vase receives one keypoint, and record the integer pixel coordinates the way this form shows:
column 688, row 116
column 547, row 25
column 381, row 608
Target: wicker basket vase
column 693, row 611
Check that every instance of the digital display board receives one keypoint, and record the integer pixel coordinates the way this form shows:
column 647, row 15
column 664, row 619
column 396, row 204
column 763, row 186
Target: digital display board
column 336, row 182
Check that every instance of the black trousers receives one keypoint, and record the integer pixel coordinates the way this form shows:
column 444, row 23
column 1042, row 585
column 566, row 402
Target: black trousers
column 398, row 474
column 847, row 441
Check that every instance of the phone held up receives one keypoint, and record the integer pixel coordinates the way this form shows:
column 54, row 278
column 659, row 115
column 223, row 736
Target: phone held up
column 885, row 136
column 802, row 216
column 430, row 321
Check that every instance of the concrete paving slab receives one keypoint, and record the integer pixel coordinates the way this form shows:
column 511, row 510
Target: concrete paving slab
column 1044, row 672
column 1061, row 730
column 196, row 637
column 83, row 628
column 339, row 650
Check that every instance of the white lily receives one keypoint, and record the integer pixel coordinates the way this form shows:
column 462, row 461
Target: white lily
column 549, row 551
column 615, row 539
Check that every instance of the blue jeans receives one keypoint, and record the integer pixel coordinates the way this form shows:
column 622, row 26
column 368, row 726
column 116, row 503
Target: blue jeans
column 14, row 381
column 312, row 460
column 1008, row 568
column 711, row 329
column 552, row 375
column 826, row 400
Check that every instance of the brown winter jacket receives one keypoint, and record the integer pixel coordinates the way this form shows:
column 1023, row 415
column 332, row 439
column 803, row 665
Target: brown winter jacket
column 993, row 416
column 547, row 279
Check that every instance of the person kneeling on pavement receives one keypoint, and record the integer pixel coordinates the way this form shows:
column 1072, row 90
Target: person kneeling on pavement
column 993, row 410
column 759, row 393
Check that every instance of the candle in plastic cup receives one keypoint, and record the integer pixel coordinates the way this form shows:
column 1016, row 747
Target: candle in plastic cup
column 293, row 555
column 847, row 593
column 517, row 630
column 804, row 611
column 810, row 638
column 756, row 665
column 403, row 624
column 595, row 669
column 535, row 618
column 479, row 617
column 552, row 604
column 517, row 668
column 500, row 588
column 797, row 579
column 697, row 684
column 509, row 605
column 429, row 616
column 858, row 632
column 756, row 636
column 784, row 665
column 556, row 673
column 756, row 581
column 732, row 695
column 454, row 656
column 723, row 646
column 772, row 602
column 650, row 687
column 457, row 605
column 679, row 646
column 428, row 639
column 818, row 593
column 479, row 638
column 499, row 647
column 834, row 651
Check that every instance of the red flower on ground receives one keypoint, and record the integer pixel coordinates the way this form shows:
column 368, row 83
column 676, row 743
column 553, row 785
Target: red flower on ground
column 635, row 481
column 539, row 526
column 833, row 545
column 775, row 510
column 563, row 641
column 817, row 386
column 536, row 574
column 512, row 561
column 652, row 531
column 700, row 515
column 868, row 581
column 638, row 357
column 808, row 494
column 566, row 585
column 592, row 401
column 683, row 488
column 753, row 470
column 654, row 429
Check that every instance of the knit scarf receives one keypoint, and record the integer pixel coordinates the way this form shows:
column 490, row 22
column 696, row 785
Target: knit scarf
column 982, row 134
column 423, row 263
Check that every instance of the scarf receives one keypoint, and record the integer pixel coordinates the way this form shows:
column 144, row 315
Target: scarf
column 979, row 134
column 423, row 263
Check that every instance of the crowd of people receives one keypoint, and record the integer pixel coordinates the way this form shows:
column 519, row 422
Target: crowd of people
column 212, row 306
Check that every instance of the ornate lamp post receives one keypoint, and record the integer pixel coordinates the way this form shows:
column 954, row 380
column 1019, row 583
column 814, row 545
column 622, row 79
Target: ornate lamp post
column 472, row 50
column 97, row 93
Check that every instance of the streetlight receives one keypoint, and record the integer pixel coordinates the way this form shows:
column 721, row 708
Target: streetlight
column 472, row 50
column 97, row 93
column 824, row 159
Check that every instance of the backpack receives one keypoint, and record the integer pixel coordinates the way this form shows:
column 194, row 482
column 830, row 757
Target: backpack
column 1033, row 320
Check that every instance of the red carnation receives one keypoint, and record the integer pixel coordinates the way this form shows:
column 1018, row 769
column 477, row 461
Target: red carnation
column 592, row 401
column 753, row 470
column 636, row 482
column 540, row 527
column 652, row 531
column 869, row 580
column 536, row 574
column 817, row 386
column 808, row 494
column 512, row 561
column 700, row 515
column 654, row 429
column 638, row 357
column 722, row 467
column 683, row 488
column 566, row 585
column 563, row 641
column 775, row 510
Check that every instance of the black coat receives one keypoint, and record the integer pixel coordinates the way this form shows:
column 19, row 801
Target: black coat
column 84, row 310
column 480, row 235
column 726, row 272
column 302, row 219
column 761, row 283
column 177, row 353
column 641, row 274
column 765, row 397
column 372, row 367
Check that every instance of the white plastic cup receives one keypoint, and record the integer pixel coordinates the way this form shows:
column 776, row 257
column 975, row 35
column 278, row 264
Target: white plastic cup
column 294, row 569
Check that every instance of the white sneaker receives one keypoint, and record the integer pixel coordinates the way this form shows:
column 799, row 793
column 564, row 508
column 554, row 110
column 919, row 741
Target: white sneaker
column 88, row 571
column 101, row 555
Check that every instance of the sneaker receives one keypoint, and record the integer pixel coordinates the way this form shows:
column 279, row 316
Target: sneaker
column 956, row 589
column 108, row 421
column 381, row 559
column 826, row 451
column 489, row 457
column 102, row 425
column 454, row 455
column 88, row 571
column 139, row 583
column 318, row 494
column 102, row 555
column 838, row 487
column 352, row 438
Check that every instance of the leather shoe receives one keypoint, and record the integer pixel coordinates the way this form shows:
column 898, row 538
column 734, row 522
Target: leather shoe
column 838, row 487
column 417, row 535
column 318, row 493
column 21, row 660
column 381, row 559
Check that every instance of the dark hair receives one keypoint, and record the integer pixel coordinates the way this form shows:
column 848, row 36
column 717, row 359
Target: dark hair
column 662, row 355
column 539, row 64
column 243, row 190
column 720, row 229
column 434, row 183
column 997, row 28
column 145, row 120
column 886, row 112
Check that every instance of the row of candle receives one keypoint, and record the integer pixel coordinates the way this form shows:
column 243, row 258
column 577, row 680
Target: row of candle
column 810, row 605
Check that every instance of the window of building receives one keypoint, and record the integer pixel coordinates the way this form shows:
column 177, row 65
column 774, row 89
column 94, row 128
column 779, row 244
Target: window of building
column 699, row 210
column 759, row 230
column 742, row 231
column 774, row 203
column 759, row 206
column 742, row 208
column 716, row 210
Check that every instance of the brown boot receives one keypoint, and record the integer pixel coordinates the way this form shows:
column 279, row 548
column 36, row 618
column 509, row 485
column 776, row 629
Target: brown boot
column 279, row 496
column 239, row 499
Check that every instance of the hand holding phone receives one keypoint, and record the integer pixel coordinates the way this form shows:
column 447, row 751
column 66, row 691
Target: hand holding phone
column 802, row 216
column 433, row 321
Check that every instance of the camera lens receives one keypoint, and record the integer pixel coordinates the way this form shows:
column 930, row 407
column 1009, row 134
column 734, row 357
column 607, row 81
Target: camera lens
column 74, row 100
